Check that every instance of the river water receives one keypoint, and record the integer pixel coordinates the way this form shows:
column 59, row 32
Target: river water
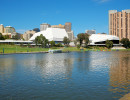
column 65, row 76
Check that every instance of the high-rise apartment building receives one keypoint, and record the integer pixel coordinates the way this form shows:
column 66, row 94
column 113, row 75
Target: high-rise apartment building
column 119, row 23
column 68, row 27
column 44, row 26
column 1, row 28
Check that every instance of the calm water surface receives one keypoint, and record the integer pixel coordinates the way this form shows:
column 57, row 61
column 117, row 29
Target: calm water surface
column 65, row 76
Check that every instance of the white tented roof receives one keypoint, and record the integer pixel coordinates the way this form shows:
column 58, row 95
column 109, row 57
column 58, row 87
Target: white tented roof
column 55, row 34
column 101, row 37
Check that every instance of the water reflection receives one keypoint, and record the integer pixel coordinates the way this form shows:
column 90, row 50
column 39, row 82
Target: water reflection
column 120, row 73
column 51, row 65
column 70, row 76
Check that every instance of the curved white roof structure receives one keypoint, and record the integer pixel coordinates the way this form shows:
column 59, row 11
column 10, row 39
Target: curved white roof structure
column 55, row 34
column 101, row 37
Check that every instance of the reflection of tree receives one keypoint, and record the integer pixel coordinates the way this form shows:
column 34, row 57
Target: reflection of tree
column 120, row 74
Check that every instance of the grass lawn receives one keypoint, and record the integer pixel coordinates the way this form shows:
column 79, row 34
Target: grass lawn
column 19, row 49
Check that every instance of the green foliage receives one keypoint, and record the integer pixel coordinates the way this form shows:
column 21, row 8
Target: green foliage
column 15, row 37
column 109, row 44
column 78, row 46
column 80, row 38
column 52, row 43
column 125, row 42
column 41, row 40
column 6, row 37
column 83, row 37
column 1, row 37
column 59, row 45
column 66, row 41
column 86, row 39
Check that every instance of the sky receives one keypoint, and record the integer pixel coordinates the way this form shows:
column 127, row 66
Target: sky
column 84, row 15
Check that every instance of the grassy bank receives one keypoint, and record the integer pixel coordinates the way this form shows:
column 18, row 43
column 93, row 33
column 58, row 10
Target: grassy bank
column 19, row 49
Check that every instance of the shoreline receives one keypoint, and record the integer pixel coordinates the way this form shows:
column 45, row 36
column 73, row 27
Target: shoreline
column 62, row 51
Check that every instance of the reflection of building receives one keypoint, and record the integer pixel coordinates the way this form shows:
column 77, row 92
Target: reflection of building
column 119, row 23
column 90, row 32
column 1, row 28
column 44, row 26
column 55, row 34
column 120, row 73
column 51, row 65
column 58, row 26
column 28, row 34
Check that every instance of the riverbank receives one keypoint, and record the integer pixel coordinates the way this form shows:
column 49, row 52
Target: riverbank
column 14, row 49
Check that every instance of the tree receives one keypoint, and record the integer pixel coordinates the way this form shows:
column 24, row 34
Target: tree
column 66, row 41
column 80, row 38
column 41, row 40
column 1, row 37
column 109, row 44
column 52, row 43
column 15, row 37
column 125, row 42
column 86, row 39
column 36, row 29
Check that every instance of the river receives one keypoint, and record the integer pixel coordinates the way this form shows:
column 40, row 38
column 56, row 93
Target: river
column 65, row 76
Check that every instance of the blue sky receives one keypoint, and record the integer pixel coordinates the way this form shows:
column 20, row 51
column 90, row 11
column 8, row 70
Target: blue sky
column 83, row 14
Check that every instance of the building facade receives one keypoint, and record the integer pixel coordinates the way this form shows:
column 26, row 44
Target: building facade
column 28, row 34
column 58, row 26
column 68, row 26
column 44, row 26
column 1, row 28
column 9, row 29
column 119, row 23
column 90, row 32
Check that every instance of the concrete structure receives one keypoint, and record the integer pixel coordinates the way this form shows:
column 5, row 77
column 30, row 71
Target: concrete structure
column 58, row 26
column 1, row 28
column 119, row 23
column 55, row 34
column 71, row 35
column 28, row 34
column 90, row 32
column 15, row 41
column 9, row 29
column 44, row 26
column 68, row 27
column 100, row 39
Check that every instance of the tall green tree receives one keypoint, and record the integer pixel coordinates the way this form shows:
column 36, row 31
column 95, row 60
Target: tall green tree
column 109, row 44
column 86, row 39
column 52, row 43
column 41, row 40
column 80, row 38
column 66, row 41
column 1, row 37
column 125, row 42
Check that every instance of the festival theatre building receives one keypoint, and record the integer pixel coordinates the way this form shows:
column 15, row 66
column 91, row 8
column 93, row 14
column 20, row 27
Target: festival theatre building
column 119, row 23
